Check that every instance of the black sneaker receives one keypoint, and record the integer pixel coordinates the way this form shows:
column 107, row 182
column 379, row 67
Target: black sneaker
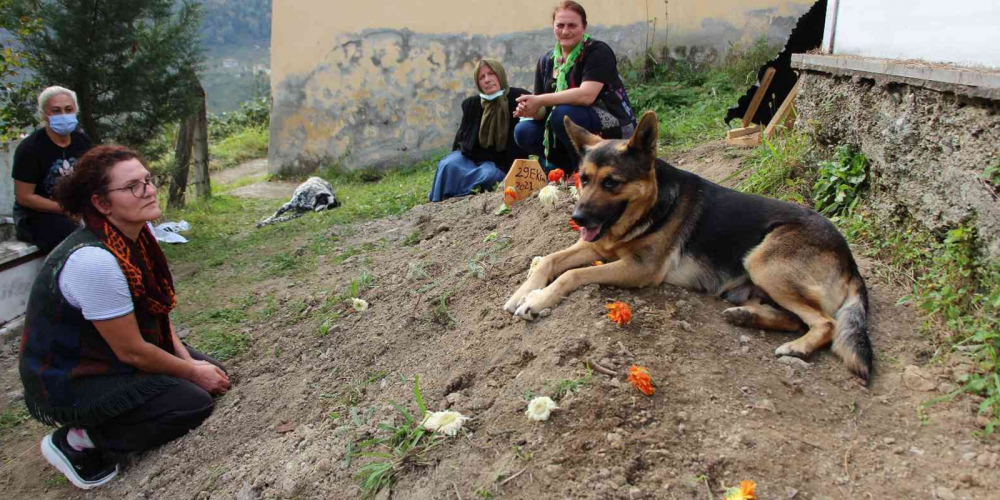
column 85, row 469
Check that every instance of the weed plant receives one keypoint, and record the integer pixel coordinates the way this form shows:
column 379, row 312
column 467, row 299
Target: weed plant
column 565, row 387
column 401, row 448
column 840, row 181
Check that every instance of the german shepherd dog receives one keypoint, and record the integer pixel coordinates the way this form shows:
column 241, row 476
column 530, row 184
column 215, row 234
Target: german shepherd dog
column 780, row 264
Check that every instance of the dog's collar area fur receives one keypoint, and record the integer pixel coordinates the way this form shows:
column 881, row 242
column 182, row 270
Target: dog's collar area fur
column 666, row 196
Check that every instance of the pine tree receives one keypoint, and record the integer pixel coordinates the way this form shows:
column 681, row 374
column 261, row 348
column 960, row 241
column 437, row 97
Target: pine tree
column 132, row 63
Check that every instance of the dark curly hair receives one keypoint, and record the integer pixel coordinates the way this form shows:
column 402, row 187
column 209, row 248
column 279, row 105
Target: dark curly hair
column 571, row 6
column 90, row 176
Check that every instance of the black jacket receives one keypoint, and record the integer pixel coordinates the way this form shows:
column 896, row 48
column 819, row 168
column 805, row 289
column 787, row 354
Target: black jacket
column 467, row 138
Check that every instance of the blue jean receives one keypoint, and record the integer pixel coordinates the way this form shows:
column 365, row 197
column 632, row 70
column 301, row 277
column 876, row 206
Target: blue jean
column 528, row 135
column 457, row 176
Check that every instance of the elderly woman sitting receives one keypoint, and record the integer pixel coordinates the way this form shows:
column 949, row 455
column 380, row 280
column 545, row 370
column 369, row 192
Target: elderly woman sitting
column 98, row 353
column 484, row 146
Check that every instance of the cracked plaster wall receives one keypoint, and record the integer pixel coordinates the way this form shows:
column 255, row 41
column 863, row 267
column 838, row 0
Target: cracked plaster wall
column 379, row 85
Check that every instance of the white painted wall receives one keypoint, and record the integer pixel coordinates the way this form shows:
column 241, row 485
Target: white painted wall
column 963, row 32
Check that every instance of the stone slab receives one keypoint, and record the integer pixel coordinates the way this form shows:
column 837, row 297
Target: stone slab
column 974, row 82
column 15, row 285
column 14, row 249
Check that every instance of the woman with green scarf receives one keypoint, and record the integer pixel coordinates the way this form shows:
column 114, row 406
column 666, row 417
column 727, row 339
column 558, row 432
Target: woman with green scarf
column 484, row 146
column 578, row 79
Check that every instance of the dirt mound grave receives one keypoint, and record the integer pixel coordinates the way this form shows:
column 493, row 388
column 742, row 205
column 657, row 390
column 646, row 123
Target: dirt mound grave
column 316, row 382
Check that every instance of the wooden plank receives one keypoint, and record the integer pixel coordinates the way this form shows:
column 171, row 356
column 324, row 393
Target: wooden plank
column 782, row 114
column 740, row 132
column 749, row 141
column 758, row 96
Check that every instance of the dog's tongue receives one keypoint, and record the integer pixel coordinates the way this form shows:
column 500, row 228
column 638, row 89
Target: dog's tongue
column 590, row 233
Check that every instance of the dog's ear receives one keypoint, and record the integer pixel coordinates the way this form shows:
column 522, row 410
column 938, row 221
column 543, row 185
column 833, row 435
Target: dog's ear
column 644, row 137
column 581, row 137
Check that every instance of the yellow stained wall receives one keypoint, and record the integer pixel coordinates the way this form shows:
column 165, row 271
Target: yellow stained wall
column 380, row 83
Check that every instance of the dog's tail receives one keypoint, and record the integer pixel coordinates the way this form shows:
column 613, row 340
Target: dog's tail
column 850, row 341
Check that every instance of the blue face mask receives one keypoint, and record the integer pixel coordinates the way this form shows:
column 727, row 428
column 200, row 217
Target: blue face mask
column 63, row 124
column 490, row 97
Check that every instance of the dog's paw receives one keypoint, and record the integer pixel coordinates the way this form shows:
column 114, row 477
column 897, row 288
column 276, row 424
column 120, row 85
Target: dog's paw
column 513, row 302
column 738, row 316
column 789, row 349
column 533, row 306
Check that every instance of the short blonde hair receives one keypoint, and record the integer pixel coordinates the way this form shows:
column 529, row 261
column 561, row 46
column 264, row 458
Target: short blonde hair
column 49, row 93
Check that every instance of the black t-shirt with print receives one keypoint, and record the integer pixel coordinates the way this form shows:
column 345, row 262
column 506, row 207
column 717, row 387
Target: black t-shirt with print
column 596, row 62
column 41, row 162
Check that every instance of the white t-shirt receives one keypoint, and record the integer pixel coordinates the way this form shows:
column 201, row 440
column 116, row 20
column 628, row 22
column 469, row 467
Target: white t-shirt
column 92, row 281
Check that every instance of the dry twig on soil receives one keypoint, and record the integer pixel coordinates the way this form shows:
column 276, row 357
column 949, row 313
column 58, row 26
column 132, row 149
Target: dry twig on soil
column 600, row 369
column 625, row 351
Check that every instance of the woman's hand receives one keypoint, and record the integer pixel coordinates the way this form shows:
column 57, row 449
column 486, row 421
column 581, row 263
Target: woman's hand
column 210, row 377
column 528, row 105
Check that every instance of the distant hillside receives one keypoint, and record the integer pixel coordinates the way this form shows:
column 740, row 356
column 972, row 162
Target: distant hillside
column 237, row 38
column 231, row 22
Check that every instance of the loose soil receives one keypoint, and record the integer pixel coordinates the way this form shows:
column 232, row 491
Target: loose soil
column 724, row 409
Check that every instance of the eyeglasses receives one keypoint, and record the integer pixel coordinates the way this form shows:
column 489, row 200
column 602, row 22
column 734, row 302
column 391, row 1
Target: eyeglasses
column 138, row 189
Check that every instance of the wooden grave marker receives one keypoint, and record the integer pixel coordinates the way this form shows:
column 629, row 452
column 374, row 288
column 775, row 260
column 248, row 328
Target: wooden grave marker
column 525, row 177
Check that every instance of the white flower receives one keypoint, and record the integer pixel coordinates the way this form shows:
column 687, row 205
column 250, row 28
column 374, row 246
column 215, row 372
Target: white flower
column 540, row 408
column 359, row 305
column 575, row 192
column 549, row 195
column 445, row 422
column 535, row 262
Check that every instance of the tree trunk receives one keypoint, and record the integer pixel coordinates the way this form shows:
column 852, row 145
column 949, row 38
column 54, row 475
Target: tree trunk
column 202, row 184
column 85, row 112
column 182, row 162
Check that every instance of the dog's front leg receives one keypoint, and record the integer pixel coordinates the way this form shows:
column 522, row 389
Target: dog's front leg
column 625, row 273
column 550, row 267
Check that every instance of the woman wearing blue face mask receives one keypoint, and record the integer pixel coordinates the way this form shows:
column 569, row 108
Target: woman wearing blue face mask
column 484, row 146
column 41, row 159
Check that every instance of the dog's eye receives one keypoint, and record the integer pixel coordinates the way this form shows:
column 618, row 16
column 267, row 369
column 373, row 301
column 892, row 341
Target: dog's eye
column 584, row 180
column 609, row 184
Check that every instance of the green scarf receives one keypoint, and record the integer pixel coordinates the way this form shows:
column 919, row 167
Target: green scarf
column 562, row 70
column 495, row 124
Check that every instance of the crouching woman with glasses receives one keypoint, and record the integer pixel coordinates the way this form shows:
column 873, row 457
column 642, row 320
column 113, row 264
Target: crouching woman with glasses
column 99, row 356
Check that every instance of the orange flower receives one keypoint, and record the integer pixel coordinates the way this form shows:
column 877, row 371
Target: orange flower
column 619, row 313
column 573, row 225
column 639, row 377
column 509, row 191
column 745, row 491
column 575, row 179
column 556, row 175
column 596, row 263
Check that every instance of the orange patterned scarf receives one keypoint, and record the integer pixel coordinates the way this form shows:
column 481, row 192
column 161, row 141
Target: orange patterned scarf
column 145, row 268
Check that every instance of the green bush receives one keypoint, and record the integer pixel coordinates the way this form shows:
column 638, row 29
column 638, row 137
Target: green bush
column 840, row 181
column 254, row 113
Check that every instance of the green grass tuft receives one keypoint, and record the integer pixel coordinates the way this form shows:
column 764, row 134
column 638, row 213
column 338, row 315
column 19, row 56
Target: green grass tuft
column 219, row 342
column 243, row 146
column 776, row 166
column 12, row 417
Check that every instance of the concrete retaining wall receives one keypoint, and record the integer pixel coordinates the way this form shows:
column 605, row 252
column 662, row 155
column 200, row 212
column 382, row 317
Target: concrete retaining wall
column 929, row 140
